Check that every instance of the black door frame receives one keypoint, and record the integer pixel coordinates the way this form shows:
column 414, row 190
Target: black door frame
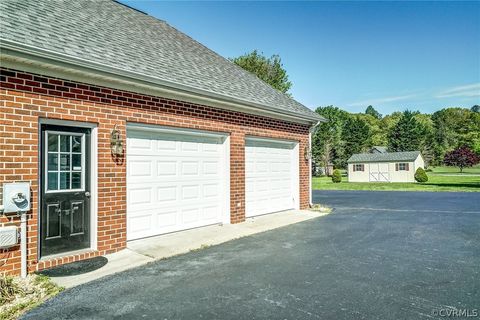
column 93, row 175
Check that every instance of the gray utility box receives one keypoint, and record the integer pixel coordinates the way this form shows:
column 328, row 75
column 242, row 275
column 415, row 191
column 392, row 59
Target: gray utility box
column 8, row 237
column 16, row 197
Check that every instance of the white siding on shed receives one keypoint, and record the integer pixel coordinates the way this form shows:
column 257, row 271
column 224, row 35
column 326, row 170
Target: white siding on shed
column 379, row 171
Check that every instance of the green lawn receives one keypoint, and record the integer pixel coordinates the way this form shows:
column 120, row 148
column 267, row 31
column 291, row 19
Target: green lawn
column 440, row 179
column 454, row 170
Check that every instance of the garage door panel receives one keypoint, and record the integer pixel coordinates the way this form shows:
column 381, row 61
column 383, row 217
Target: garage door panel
column 166, row 168
column 141, row 196
column 140, row 223
column 174, row 182
column 140, row 168
column 269, row 176
column 167, row 194
column 211, row 168
column 189, row 215
column 190, row 192
column 189, row 168
column 166, row 219
column 166, row 145
column 143, row 169
column 211, row 190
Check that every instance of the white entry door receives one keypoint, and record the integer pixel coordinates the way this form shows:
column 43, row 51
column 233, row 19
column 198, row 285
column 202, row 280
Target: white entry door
column 176, row 180
column 379, row 172
column 271, row 176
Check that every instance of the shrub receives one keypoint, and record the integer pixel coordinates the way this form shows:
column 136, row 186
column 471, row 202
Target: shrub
column 8, row 289
column 336, row 176
column 421, row 175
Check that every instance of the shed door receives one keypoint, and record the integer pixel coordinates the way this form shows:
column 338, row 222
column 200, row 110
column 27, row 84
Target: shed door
column 271, row 176
column 379, row 172
column 175, row 181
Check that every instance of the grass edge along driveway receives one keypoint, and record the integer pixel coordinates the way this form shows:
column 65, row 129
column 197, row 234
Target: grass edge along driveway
column 439, row 179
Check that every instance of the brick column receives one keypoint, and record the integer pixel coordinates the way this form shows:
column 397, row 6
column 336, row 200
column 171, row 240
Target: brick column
column 237, row 177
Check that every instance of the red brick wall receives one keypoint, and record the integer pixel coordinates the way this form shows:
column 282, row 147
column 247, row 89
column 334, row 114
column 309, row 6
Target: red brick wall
column 24, row 98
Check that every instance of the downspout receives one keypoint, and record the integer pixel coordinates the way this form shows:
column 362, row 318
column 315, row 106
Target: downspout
column 311, row 131
column 23, row 244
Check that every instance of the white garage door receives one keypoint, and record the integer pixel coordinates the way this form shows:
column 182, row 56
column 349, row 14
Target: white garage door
column 176, row 180
column 271, row 176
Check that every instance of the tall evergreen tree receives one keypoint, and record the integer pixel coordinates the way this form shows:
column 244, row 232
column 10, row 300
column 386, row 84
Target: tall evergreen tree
column 374, row 113
column 356, row 136
column 407, row 134
column 330, row 133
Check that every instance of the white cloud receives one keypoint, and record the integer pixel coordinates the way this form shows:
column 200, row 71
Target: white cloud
column 471, row 90
column 378, row 101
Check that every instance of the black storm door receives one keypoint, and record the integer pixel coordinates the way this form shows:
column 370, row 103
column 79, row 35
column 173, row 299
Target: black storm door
column 65, row 189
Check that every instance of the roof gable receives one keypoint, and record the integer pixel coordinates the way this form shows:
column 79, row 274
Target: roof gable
column 109, row 33
column 378, row 149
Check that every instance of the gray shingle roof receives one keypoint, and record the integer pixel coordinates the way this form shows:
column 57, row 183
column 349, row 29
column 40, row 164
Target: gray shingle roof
column 384, row 157
column 380, row 149
column 109, row 33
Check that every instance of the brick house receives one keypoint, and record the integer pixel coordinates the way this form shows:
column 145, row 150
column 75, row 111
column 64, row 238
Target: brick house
column 126, row 128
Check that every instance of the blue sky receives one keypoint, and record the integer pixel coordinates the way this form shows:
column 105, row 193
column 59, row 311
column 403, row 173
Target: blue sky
column 393, row 55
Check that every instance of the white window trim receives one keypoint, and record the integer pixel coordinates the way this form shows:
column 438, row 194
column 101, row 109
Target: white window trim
column 361, row 165
column 82, row 187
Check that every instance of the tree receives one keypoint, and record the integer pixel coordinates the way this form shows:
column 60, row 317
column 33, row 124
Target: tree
column 386, row 124
column 355, row 135
column 475, row 108
column 407, row 134
column 461, row 157
column 374, row 113
column 330, row 133
column 453, row 128
column 269, row 70
column 377, row 135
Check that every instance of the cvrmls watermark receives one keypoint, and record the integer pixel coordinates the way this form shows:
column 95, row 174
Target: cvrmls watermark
column 456, row 313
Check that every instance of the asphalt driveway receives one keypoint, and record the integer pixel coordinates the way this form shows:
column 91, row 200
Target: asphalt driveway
column 379, row 255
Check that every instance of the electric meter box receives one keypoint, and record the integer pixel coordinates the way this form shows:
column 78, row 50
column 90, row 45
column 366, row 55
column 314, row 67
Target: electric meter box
column 16, row 197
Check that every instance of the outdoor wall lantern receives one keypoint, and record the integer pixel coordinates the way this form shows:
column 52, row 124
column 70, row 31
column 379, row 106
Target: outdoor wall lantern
column 116, row 142
column 307, row 153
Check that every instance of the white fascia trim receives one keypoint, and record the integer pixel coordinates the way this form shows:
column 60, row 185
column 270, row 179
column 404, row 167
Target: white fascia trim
column 33, row 55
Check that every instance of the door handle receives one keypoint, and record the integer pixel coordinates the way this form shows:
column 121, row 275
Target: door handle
column 87, row 194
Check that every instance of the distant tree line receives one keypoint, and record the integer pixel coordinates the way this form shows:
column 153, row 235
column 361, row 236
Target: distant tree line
column 345, row 133
column 433, row 134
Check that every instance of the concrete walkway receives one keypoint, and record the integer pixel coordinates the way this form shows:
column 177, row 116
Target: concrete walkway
column 143, row 251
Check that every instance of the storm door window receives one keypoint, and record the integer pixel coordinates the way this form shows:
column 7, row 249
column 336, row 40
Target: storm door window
column 65, row 161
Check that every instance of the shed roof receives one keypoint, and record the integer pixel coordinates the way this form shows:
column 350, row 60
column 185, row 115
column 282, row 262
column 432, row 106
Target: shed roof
column 112, row 34
column 384, row 157
column 380, row 149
